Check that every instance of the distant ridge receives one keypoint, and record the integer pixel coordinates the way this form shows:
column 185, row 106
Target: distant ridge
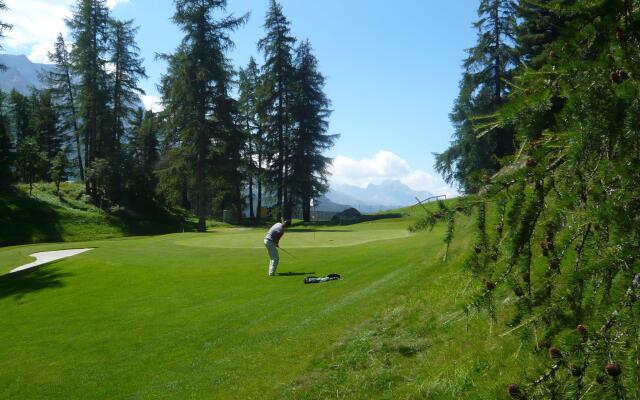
column 386, row 195
column 21, row 74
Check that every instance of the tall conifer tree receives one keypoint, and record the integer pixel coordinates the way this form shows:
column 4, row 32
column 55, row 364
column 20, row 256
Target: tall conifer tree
column 127, row 71
column 20, row 109
column 277, row 47
column 7, row 155
column 63, row 90
column 310, row 113
column 191, row 88
column 89, row 26
column 249, row 83
column 45, row 124
column 488, row 68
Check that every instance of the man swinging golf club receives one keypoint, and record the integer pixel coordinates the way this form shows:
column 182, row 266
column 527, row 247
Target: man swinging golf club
column 272, row 242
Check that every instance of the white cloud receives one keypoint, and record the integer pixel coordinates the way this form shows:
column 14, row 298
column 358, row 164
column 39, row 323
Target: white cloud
column 152, row 103
column 385, row 165
column 113, row 3
column 36, row 24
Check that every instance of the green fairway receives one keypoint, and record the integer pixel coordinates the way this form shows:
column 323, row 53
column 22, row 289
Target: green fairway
column 330, row 237
column 183, row 316
column 195, row 316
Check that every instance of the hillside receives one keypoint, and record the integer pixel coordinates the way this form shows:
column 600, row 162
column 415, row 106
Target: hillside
column 45, row 217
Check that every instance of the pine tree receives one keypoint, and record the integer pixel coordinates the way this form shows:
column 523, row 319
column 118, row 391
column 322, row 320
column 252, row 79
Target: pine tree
column 568, row 210
column 474, row 155
column 7, row 155
column 30, row 161
column 248, row 81
column 277, row 47
column 252, row 104
column 45, row 124
column 127, row 71
column 310, row 113
column 59, row 169
column 64, row 93
column 3, row 28
column 191, row 87
column 89, row 26
column 541, row 23
column 143, row 149
column 232, row 143
column 20, row 109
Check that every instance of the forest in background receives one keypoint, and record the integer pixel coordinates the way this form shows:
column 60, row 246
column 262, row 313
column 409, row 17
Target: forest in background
column 226, row 137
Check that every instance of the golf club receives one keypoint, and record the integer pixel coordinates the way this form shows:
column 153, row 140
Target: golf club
column 287, row 252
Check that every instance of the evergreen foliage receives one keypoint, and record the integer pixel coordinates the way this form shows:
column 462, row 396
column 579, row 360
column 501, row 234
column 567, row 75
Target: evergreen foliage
column 7, row 154
column 59, row 169
column 195, row 88
column 3, row 27
column 30, row 161
column 474, row 153
column 278, row 71
column 20, row 109
column 249, row 83
column 207, row 150
column 310, row 114
column 127, row 71
column 143, row 156
column 89, row 26
column 567, row 238
column 44, row 122
column 59, row 81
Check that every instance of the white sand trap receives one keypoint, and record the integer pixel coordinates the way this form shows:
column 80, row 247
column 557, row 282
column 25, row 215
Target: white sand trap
column 48, row 256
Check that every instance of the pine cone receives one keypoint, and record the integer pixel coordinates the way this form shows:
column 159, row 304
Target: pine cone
column 613, row 369
column 554, row 353
column 514, row 391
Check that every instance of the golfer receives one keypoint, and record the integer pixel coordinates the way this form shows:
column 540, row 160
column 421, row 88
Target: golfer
column 272, row 242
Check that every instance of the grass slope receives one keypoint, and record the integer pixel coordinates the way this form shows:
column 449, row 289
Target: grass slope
column 195, row 316
column 46, row 217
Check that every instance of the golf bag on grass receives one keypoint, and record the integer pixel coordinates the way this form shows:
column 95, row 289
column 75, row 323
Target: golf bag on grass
column 315, row 279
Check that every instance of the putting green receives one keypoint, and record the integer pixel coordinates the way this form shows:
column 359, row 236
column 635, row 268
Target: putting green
column 253, row 239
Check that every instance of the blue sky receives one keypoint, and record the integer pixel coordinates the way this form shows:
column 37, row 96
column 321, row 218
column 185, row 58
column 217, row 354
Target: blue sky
column 392, row 69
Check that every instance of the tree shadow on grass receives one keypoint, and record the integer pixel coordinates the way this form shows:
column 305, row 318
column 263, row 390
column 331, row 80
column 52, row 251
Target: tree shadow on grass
column 294, row 273
column 21, row 283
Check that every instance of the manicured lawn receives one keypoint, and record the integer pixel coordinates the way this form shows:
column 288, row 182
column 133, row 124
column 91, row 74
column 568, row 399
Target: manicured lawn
column 195, row 316
column 181, row 316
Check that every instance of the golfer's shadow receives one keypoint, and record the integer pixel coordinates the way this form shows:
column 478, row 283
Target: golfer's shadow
column 294, row 273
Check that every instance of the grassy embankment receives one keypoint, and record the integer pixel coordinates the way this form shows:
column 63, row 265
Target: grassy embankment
column 47, row 217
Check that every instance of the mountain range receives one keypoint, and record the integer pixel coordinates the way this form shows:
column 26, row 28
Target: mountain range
column 21, row 74
column 386, row 195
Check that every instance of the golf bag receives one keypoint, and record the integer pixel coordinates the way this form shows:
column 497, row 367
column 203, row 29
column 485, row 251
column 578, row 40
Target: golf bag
column 315, row 279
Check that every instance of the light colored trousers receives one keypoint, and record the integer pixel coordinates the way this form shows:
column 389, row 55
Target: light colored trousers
column 273, row 255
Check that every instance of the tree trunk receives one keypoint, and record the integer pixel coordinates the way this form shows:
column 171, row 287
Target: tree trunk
column 306, row 208
column 250, row 177
column 239, row 202
column 259, row 204
column 200, row 184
